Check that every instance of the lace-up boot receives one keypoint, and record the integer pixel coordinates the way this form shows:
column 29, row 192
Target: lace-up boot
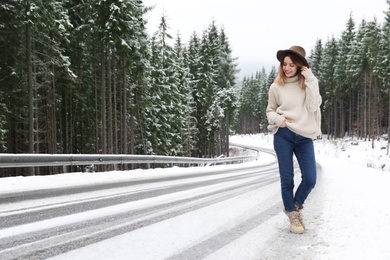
column 299, row 208
column 295, row 225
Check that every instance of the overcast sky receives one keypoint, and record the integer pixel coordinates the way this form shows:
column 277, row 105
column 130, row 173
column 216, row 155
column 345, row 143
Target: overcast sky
column 256, row 29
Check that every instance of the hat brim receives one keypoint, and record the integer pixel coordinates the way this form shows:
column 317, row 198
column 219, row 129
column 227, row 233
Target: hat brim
column 282, row 53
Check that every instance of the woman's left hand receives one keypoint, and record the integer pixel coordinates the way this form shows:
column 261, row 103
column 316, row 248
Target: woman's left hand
column 304, row 68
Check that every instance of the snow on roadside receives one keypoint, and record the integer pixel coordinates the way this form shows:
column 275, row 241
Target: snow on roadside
column 371, row 154
column 355, row 217
column 349, row 207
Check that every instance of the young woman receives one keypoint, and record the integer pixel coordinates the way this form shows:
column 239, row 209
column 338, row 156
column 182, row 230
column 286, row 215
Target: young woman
column 294, row 117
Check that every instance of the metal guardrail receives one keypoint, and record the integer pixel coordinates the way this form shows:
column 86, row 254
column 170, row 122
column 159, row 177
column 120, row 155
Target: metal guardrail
column 34, row 160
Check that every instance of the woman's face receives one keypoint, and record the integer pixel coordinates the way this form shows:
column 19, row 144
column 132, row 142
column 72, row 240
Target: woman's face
column 289, row 68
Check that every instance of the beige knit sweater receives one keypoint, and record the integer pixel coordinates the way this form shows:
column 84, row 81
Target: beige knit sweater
column 301, row 107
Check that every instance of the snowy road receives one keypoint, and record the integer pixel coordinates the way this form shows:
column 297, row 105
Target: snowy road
column 215, row 213
column 161, row 212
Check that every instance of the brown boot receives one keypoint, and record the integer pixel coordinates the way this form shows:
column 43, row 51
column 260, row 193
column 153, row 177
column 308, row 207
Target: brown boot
column 295, row 225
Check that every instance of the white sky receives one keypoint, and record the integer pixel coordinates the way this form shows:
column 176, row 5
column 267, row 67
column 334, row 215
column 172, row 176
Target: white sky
column 257, row 29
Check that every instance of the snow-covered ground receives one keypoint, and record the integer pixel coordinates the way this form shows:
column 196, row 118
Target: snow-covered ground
column 347, row 215
column 350, row 206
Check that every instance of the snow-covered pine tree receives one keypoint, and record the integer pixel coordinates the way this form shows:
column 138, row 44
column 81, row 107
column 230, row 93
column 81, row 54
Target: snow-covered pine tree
column 208, row 111
column 328, row 81
column 189, row 131
column 194, row 70
column 371, row 41
column 263, row 99
column 166, row 116
column 343, row 80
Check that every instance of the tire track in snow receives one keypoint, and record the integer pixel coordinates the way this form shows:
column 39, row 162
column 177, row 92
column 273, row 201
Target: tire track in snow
column 57, row 240
column 32, row 214
column 225, row 237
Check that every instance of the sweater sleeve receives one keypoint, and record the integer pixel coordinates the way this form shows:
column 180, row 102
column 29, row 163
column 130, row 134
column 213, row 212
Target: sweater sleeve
column 274, row 119
column 313, row 97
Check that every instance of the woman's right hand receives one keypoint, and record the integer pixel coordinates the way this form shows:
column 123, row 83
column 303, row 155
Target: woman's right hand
column 284, row 124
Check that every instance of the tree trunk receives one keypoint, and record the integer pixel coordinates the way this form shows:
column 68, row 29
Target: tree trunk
column 103, row 113
column 335, row 121
column 115, row 108
column 365, row 108
column 124, row 115
column 110, row 134
column 50, row 118
column 227, row 135
column 30, row 90
column 342, row 119
column 97, row 132
column 388, row 128
column 350, row 114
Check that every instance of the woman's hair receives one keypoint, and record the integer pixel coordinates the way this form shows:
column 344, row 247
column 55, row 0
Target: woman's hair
column 281, row 79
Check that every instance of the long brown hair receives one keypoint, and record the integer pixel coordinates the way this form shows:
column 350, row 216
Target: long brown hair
column 281, row 79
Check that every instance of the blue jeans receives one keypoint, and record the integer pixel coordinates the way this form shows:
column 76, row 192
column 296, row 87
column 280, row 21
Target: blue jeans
column 286, row 144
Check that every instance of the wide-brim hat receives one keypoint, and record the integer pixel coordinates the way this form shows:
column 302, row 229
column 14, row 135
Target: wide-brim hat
column 297, row 50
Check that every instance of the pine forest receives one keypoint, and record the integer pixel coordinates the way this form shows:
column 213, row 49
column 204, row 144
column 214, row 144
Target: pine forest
column 85, row 77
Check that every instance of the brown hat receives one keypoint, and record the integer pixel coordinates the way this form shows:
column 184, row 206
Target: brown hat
column 297, row 50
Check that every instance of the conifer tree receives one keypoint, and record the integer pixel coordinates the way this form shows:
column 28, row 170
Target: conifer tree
column 315, row 58
column 328, row 82
column 263, row 98
column 358, row 73
column 226, row 80
column 194, row 70
column 183, row 73
column 206, row 87
column 166, row 116
column 343, row 80
column 371, row 41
